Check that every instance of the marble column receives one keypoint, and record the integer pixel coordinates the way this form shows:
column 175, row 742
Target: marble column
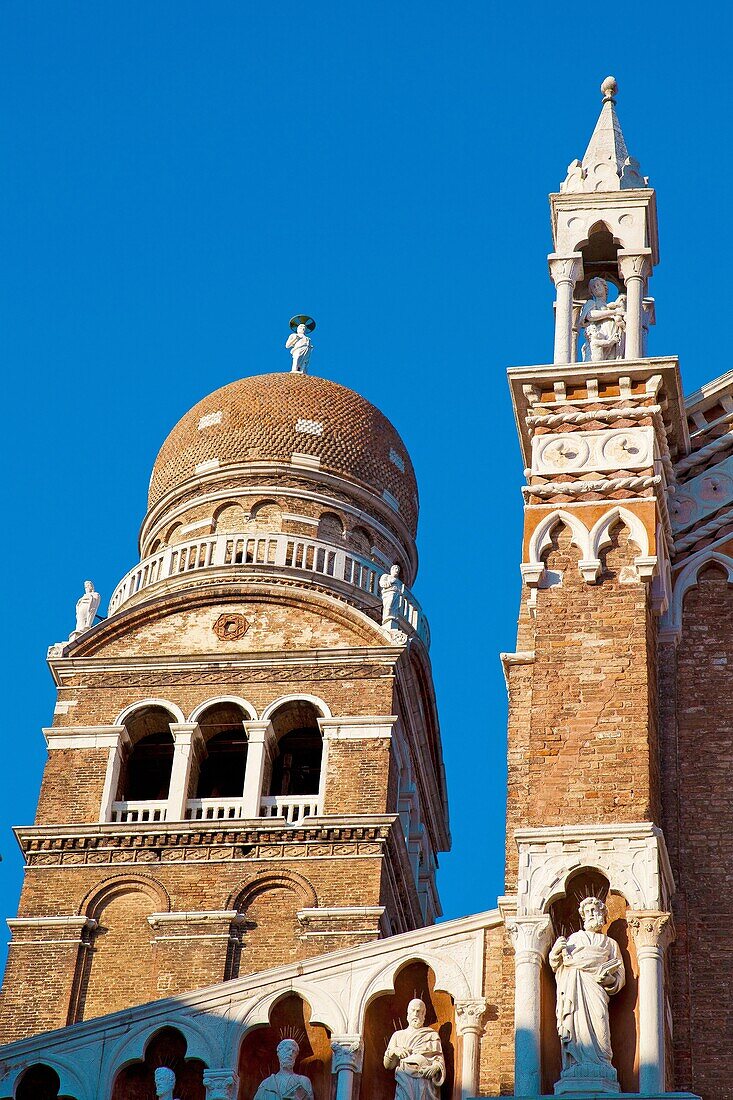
column 187, row 740
column 565, row 271
column 346, row 1063
column 470, row 1026
column 634, row 268
column 260, row 742
column 531, row 938
column 652, row 931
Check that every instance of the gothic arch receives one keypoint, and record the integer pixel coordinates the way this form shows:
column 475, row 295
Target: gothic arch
column 71, row 1083
column 600, row 533
column 133, row 1045
column 687, row 579
column 325, row 1009
column 541, row 538
column 175, row 711
column 248, row 709
column 551, row 882
column 450, row 978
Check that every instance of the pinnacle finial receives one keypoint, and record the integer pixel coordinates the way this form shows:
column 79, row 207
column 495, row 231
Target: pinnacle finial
column 609, row 89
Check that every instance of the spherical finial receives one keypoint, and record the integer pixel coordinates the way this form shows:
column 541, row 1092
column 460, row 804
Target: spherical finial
column 609, row 89
column 302, row 319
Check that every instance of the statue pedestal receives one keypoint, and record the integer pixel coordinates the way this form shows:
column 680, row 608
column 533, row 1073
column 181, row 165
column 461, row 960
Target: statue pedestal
column 588, row 1081
column 619, row 1096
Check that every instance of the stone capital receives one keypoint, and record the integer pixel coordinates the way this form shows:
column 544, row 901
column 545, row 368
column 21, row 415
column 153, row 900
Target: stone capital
column 650, row 929
column 259, row 732
column 565, row 269
column 347, row 1053
column 221, row 1084
column 634, row 264
column 470, row 1016
column 531, row 938
column 187, row 733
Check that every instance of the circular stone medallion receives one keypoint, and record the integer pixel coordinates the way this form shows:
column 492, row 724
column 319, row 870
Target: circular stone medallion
column 230, row 627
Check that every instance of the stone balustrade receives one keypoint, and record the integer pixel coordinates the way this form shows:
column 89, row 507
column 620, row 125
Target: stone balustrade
column 274, row 552
column 142, row 810
column 292, row 807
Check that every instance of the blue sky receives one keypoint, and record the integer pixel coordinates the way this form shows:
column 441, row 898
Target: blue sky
column 178, row 179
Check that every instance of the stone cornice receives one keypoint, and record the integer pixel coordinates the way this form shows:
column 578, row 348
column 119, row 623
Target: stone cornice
column 151, row 843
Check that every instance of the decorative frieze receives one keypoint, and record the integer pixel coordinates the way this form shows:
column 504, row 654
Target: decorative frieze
column 703, row 495
column 598, row 451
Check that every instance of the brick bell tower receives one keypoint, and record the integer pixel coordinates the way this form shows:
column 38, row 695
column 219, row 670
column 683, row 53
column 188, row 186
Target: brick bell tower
column 244, row 767
column 601, row 429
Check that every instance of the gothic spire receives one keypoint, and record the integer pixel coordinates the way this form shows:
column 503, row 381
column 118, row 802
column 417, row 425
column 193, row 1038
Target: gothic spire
column 606, row 165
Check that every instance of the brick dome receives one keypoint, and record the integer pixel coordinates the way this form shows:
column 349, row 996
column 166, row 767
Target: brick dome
column 268, row 417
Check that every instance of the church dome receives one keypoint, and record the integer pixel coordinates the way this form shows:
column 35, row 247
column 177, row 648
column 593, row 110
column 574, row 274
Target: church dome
column 270, row 417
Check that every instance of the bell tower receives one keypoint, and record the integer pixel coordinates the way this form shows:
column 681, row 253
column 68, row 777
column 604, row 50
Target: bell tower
column 600, row 429
column 244, row 765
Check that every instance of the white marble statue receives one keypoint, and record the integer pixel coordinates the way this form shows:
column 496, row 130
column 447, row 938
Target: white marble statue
column 604, row 324
column 286, row 1084
column 391, row 589
column 416, row 1056
column 588, row 970
column 86, row 609
column 300, row 346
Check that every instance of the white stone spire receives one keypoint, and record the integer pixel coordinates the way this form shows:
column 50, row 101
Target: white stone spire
column 606, row 165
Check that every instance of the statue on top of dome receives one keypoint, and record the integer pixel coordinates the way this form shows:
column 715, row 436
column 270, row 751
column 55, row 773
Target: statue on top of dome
column 299, row 343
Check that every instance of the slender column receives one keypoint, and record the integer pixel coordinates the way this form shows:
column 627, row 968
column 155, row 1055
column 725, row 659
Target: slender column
column 221, row 1084
column 653, row 931
column 634, row 267
column 346, row 1063
column 260, row 741
column 564, row 272
column 531, row 938
column 187, row 738
column 470, row 1026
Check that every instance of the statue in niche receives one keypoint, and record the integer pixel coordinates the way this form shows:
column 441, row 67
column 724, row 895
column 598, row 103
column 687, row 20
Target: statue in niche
column 604, row 324
column 416, row 1056
column 165, row 1083
column 391, row 589
column 588, row 970
column 286, row 1084
column 300, row 346
column 86, row 609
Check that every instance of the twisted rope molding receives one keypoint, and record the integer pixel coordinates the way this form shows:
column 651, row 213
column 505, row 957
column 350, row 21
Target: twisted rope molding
column 576, row 488
column 704, row 453
column 708, row 528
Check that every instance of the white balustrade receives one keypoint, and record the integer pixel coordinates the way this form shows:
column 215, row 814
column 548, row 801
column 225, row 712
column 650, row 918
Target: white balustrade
column 282, row 551
column 292, row 807
column 214, row 809
column 139, row 811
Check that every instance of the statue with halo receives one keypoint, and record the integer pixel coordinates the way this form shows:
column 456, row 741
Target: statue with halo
column 416, row 1056
column 286, row 1084
column 299, row 342
column 588, row 970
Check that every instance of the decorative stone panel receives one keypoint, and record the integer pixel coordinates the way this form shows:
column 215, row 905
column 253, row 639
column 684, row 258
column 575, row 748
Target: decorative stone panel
column 597, row 451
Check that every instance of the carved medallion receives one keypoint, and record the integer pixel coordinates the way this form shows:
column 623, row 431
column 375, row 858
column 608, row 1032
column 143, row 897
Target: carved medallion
column 230, row 627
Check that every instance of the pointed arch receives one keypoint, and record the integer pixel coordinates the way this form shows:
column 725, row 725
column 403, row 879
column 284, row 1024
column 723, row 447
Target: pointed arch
column 600, row 533
column 541, row 538
column 687, row 579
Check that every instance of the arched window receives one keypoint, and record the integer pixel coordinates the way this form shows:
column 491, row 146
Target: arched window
column 266, row 515
column 360, row 540
column 222, row 771
column 147, row 772
column 296, row 769
column 330, row 527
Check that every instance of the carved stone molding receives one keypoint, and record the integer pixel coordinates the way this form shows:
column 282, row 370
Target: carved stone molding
column 470, row 1016
column 634, row 265
column 231, row 627
column 531, row 938
column 347, row 1053
column 651, row 928
column 702, row 495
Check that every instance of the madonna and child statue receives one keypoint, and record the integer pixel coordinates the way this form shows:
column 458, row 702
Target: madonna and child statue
column 589, row 970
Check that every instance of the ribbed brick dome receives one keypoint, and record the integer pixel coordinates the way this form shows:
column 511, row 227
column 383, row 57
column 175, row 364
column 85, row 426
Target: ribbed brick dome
column 268, row 417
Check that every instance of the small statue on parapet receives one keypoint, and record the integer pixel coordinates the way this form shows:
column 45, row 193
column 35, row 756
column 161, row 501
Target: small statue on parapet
column 299, row 343
column 286, row 1084
column 416, row 1056
column 391, row 589
column 86, row 610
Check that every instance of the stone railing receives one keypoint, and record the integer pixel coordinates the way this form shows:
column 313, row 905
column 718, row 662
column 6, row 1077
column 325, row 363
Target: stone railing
column 139, row 811
column 277, row 551
column 292, row 807
column 214, row 809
